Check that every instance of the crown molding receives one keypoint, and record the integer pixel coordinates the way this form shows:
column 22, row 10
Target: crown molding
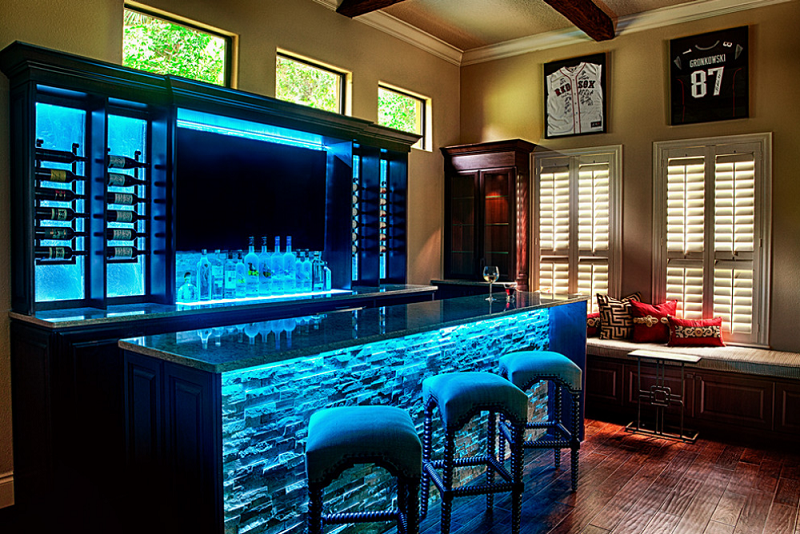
column 657, row 18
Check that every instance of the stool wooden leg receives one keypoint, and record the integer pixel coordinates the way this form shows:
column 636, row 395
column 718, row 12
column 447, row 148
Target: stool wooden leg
column 427, row 438
column 449, row 467
column 491, row 432
column 314, row 510
column 402, row 506
column 517, row 452
column 412, row 506
column 575, row 442
column 556, row 419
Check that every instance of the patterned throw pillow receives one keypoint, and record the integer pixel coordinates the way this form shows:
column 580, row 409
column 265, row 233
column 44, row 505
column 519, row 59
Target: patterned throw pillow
column 695, row 332
column 650, row 321
column 592, row 324
column 615, row 316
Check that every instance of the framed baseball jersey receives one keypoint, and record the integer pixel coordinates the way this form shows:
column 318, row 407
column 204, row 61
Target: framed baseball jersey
column 709, row 77
column 575, row 92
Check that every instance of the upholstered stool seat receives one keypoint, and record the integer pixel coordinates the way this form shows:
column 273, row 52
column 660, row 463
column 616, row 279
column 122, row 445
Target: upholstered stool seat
column 459, row 397
column 339, row 438
column 524, row 369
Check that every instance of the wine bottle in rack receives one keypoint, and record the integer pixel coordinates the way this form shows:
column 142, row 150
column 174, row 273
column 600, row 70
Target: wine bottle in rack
column 124, row 162
column 56, row 214
column 57, row 233
column 58, row 195
column 60, row 176
column 118, row 179
column 122, row 234
column 123, row 216
column 56, row 253
column 122, row 253
column 57, row 156
column 124, row 199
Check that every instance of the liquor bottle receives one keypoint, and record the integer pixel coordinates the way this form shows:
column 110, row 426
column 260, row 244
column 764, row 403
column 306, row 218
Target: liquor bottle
column 58, row 156
column 121, row 253
column 125, row 199
column 118, row 179
column 264, row 269
column 123, row 216
column 217, row 272
column 355, row 224
column 251, row 262
column 241, row 277
column 55, row 253
column 187, row 292
column 289, row 267
column 204, row 277
column 58, row 195
column 60, row 176
column 122, row 234
column 58, row 233
column 326, row 277
column 317, row 275
column 229, row 290
column 383, row 201
column 305, row 268
column 276, row 263
column 123, row 162
column 56, row 214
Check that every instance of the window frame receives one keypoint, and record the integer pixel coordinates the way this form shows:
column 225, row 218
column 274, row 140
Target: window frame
column 612, row 154
column 343, row 76
column 231, row 39
column 425, row 142
column 711, row 148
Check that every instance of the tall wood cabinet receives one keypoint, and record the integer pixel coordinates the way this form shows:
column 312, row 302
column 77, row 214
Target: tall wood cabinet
column 487, row 210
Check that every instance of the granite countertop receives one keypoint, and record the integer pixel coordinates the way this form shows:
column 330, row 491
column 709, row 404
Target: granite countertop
column 236, row 347
column 74, row 317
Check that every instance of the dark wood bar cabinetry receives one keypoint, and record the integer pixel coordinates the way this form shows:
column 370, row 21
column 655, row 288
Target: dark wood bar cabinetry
column 487, row 210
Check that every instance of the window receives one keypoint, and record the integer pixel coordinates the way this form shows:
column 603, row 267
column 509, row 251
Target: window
column 302, row 81
column 404, row 111
column 712, row 230
column 164, row 45
column 577, row 249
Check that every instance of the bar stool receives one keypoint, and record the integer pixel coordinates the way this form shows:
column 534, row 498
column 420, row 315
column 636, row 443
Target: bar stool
column 460, row 396
column 339, row 438
column 526, row 368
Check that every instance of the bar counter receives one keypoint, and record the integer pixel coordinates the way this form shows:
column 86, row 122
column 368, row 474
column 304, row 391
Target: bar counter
column 220, row 414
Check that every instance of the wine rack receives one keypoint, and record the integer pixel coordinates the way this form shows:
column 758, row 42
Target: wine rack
column 355, row 223
column 126, row 209
column 383, row 218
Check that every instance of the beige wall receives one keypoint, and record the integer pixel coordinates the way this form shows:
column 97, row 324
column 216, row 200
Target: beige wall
column 93, row 28
column 504, row 99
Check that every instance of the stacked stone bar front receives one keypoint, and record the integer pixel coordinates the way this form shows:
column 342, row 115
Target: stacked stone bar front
column 266, row 410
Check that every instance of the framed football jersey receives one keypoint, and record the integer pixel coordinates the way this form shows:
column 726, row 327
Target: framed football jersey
column 574, row 100
column 709, row 77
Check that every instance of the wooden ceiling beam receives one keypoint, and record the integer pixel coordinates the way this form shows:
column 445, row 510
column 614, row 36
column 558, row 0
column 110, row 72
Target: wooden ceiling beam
column 586, row 16
column 354, row 8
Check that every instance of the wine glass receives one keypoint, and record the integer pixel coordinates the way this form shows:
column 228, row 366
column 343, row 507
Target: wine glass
column 491, row 273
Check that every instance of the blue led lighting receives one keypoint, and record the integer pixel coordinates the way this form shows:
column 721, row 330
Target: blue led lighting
column 206, row 122
column 265, row 297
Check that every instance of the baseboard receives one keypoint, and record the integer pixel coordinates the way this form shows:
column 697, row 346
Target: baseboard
column 6, row 489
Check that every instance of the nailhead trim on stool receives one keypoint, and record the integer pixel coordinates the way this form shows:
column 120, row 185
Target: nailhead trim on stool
column 526, row 368
column 459, row 397
column 339, row 438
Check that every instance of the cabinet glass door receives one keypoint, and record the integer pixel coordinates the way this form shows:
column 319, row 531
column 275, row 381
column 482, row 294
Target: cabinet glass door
column 497, row 230
column 462, row 224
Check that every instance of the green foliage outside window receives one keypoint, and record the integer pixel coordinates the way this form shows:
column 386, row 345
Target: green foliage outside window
column 308, row 85
column 163, row 47
column 399, row 111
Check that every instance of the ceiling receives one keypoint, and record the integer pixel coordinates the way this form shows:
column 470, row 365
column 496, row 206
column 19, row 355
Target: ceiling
column 470, row 24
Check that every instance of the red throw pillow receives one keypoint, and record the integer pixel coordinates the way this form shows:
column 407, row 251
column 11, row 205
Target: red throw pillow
column 593, row 324
column 650, row 321
column 694, row 332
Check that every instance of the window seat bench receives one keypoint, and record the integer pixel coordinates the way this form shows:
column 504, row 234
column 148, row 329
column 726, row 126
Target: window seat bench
column 732, row 392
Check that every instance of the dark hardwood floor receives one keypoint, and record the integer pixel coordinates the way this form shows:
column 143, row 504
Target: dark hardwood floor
column 637, row 484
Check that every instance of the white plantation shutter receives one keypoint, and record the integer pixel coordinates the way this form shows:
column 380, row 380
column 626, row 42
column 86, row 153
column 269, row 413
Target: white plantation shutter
column 593, row 207
column 711, row 204
column 554, row 210
column 593, row 279
column 554, row 277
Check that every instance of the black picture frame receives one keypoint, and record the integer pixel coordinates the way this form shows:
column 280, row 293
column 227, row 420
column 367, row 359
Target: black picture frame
column 709, row 77
column 582, row 79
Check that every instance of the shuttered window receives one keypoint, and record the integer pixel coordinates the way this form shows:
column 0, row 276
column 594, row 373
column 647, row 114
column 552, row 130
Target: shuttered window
column 577, row 221
column 711, row 202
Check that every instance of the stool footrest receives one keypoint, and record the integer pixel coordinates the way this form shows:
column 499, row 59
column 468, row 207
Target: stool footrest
column 464, row 461
column 486, row 488
column 361, row 517
column 547, row 444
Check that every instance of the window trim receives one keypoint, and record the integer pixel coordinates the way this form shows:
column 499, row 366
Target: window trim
column 345, row 77
column 426, row 126
column 762, row 256
column 231, row 39
column 614, row 154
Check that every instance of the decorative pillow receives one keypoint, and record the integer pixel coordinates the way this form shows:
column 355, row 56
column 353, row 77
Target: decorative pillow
column 650, row 321
column 694, row 332
column 615, row 316
column 592, row 324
